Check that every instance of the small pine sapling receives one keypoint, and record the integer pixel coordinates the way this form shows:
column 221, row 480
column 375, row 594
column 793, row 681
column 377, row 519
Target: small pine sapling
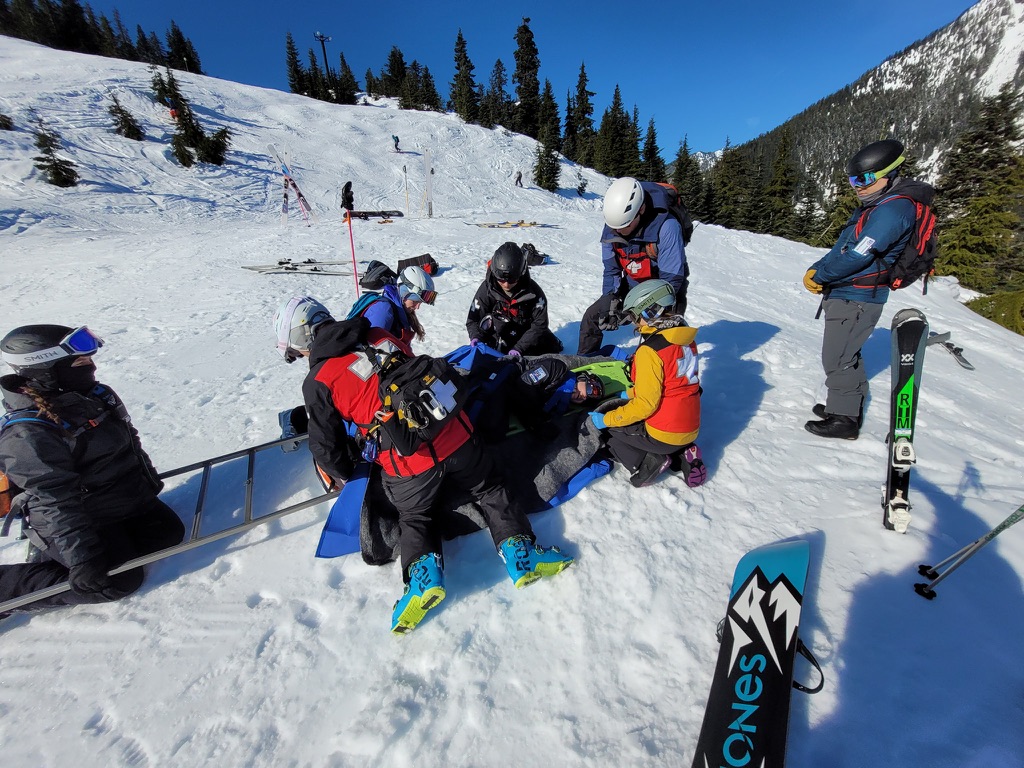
column 125, row 123
column 57, row 170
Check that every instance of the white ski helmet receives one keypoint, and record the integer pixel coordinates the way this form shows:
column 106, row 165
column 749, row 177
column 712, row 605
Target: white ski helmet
column 622, row 202
column 648, row 300
column 417, row 285
column 294, row 322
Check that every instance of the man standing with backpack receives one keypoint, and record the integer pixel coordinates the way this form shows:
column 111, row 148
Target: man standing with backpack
column 881, row 247
column 645, row 236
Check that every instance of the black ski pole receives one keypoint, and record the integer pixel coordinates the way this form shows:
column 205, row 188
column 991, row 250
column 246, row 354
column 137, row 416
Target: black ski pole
column 939, row 571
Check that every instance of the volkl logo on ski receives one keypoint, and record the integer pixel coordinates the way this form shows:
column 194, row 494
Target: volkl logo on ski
column 907, row 358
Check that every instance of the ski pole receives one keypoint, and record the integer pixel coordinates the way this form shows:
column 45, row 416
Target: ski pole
column 941, row 570
column 406, row 172
column 352, row 242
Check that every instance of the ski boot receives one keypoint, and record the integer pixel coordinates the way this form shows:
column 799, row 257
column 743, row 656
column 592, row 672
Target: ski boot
column 649, row 470
column 834, row 425
column 423, row 592
column 692, row 463
column 526, row 562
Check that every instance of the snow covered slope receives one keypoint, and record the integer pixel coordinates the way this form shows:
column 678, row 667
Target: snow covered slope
column 251, row 652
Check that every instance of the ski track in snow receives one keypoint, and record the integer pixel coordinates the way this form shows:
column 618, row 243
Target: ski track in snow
column 249, row 651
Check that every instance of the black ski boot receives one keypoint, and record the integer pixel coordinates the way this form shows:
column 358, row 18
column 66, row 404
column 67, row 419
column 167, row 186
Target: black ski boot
column 819, row 411
column 649, row 470
column 833, row 425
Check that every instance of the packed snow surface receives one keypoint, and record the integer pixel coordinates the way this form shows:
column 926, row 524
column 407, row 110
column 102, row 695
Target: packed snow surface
column 251, row 652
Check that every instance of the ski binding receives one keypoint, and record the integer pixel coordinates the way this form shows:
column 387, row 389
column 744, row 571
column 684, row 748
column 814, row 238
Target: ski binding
column 903, row 455
column 898, row 511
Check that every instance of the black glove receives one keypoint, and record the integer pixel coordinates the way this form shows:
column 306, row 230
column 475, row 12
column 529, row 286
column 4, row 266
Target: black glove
column 609, row 321
column 90, row 578
column 612, row 319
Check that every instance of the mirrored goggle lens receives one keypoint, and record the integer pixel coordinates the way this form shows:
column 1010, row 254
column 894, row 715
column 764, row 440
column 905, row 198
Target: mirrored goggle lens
column 863, row 180
column 81, row 341
column 428, row 296
column 594, row 390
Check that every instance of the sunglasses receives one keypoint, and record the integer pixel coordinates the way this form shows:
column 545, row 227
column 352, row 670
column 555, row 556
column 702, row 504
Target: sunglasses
column 80, row 341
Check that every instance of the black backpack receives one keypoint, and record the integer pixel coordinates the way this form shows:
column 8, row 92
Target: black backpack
column 424, row 393
column 918, row 258
column 533, row 257
column 673, row 204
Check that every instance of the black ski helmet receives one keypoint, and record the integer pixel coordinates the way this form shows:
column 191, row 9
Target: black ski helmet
column 29, row 339
column 44, row 352
column 879, row 157
column 508, row 263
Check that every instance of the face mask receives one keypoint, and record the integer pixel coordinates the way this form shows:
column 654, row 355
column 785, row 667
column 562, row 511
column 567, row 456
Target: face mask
column 78, row 378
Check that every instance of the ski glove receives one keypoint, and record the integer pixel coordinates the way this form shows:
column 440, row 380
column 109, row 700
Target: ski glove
column 514, row 353
column 90, row 578
column 598, row 419
column 809, row 283
column 474, row 342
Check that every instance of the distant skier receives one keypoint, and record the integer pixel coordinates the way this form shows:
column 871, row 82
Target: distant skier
column 852, row 283
column 395, row 139
column 519, row 178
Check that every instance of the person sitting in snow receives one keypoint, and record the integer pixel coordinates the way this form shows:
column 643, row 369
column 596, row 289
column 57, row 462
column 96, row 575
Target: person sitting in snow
column 657, row 426
column 346, row 361
column 394, row 309
column 510, row 311
column 88, row 491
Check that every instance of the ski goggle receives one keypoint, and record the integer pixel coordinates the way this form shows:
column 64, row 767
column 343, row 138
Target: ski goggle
column 869, row 178
column 421, row 297
column 593, row 388
column 80, row 341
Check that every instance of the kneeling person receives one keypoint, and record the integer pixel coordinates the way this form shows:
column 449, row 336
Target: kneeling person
column 347, row 360
column 657, row 426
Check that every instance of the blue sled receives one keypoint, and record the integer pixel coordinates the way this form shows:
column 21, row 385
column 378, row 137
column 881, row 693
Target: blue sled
column 340, row 535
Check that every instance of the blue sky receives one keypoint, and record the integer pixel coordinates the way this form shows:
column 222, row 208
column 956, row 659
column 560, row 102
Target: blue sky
column 709, row 71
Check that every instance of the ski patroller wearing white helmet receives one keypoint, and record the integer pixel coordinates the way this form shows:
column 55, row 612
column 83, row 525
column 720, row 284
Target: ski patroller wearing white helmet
column 416, row 285
column 294, row 322
column 622, row 202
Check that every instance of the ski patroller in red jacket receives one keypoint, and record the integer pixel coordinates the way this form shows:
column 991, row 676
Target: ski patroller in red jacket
column 341, row 391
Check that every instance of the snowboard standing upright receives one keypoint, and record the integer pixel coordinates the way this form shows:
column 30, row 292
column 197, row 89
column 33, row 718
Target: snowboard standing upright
column 909, row 337
column 747, row 717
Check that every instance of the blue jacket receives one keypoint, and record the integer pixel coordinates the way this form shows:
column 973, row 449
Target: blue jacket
column 659, row 229
column 886, row 232
column 388, row 314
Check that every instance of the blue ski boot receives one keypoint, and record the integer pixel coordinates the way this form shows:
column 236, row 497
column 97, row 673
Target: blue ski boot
column 424, row 591
column 526, row 562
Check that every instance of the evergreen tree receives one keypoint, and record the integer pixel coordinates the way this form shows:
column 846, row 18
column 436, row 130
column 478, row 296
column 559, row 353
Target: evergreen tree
column 393, row 74
column 611, row 156
column 372, row 86
column 123, row 40
column 581, row 183
column 189, row 134
column 634, row 165
column 569, row 134
column 317, row 81
column 1005, row 308
column 549, row 127
column 732, row 176
column 180, row 52
column 583, row 121
column 429, row 97
column 410, row 96
column 982, row 200
column 159, row 87
column 213, row 149
column 298, row 79
column 526, row 78
column 464, row 100
column 496, row 106
column 57, row 170
column 779, row 193
column 688, row 180
column 653, row 166
column 125, row 123
column 347, row 83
